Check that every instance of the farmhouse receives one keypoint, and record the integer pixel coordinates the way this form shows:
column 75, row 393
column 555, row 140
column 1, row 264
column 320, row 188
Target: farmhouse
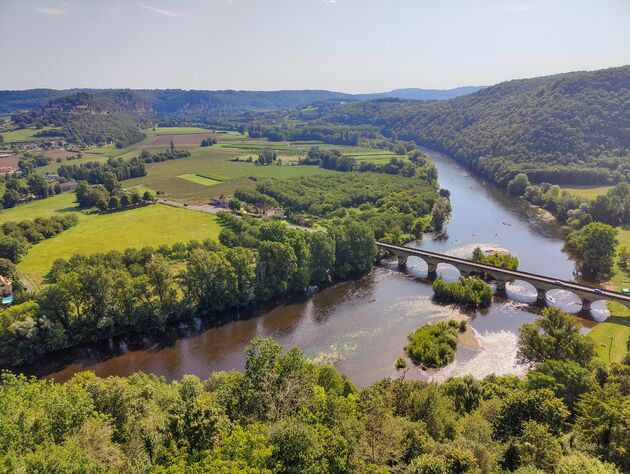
column 221, row 201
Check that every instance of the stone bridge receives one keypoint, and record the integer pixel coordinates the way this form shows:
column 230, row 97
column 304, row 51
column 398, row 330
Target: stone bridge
column 501, row 276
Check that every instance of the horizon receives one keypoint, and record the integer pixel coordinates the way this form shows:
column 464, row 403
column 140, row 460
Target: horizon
column 285, row 45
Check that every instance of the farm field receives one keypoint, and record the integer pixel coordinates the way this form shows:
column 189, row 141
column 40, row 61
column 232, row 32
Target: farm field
column 587, row 192
column 152, row 225
column 611, row 335
column 22, row 135
column 61, row 203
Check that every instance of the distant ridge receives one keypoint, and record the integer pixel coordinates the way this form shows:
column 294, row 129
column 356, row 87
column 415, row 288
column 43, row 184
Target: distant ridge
column 423, row 94
column 224, row 101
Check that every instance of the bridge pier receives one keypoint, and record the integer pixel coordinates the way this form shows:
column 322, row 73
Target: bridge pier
column 432, row 270
column 501, row 286
column 541, row 297
column 586, row 305
column 402, row 260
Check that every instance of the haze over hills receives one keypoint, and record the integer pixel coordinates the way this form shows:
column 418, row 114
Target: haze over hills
column 176, row 100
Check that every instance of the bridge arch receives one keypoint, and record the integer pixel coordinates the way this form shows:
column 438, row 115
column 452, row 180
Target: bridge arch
column 566, row 300
column 521, row 291
column 448, row 271
column 599, row 310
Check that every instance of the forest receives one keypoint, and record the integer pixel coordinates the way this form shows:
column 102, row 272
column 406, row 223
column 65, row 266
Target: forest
column 570, row 128
column 90, row 298
column 284, row 414
column 396, row 208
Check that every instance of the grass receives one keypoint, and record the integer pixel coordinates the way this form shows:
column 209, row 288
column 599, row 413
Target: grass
column 611, row 335
column 204, row 181
column 22, row 135
column 152, row 225
column 60, row 203
column 587, row 192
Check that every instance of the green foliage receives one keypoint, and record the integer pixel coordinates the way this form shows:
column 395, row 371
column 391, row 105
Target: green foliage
column 496, row 259
column 17, row 237
column 471, row 292
column 567, row 379
column 433, row 345
column 390, row 205
column 556, row 335
column 536, row 446
column 284, row 414
column 518, row 184
column 595, row 244
column 564, row 129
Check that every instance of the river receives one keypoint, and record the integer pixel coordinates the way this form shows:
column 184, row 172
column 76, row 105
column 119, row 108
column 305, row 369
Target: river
column 361, row 326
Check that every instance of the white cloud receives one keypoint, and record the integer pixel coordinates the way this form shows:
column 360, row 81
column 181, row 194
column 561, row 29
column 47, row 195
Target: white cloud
column 161, row 11
column 51, row 11
column 329, row 2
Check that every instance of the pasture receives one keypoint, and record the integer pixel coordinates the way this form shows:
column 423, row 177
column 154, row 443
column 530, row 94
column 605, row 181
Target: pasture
column 22, row 135
column 587, row 192
column 152, row 225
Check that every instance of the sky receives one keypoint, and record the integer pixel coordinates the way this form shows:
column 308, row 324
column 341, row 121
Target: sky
column 343, row 45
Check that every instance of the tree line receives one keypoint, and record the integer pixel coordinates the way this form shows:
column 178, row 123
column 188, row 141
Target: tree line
column 94, row 297
column 284, row 414
column 16, row 237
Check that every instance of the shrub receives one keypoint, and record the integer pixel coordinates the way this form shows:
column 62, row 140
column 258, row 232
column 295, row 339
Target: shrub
column 433, row 345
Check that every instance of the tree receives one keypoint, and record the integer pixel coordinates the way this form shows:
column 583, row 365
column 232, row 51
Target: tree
column 538, row 405
column 355, row 249
column 114, row 202
column 276, row 265
column 536, row 446
column 567, row 379
column 13, row 249
column 440, row 213
column 210, row 281
column 595, row 244
column 267, row 156
column 624, row 258
column 235, row 204
column 518, row 185
column 322, row 248
column 603, row 419
column 125, row 200
column 147, row 196
column 556, row 335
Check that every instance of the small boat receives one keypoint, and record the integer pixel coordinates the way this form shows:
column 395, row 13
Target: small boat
column 372, row 300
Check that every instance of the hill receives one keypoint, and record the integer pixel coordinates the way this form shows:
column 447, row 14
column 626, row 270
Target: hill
column 422, row 94
column 178, row 101
column 569, row 128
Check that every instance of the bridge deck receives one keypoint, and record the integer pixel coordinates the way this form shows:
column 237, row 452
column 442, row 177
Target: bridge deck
column 510, row 274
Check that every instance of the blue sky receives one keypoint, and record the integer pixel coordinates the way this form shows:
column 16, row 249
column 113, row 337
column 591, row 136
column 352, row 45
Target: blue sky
column 345, row 45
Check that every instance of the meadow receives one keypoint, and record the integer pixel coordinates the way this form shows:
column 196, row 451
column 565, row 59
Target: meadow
column 22, row 135
column 587, row 192
column 152, row 225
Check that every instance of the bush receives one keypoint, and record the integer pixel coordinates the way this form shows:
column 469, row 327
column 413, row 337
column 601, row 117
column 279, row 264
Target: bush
column 471, row 292
column 433, row 345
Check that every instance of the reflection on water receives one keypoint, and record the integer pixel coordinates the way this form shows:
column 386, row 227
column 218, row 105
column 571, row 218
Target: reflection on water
column 361, row 326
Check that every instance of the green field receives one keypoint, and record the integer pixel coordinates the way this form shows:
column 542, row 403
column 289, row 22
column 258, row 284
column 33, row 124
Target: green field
column 587, row 192
column 612, row 334
column 152, row 225
column 22, row 135
column 60, row 203
column 196, row 178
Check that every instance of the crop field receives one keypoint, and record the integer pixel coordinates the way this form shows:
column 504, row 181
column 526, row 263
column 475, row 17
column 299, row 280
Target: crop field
column 182, row 139
column 203, row 180
column 213, row 165
column 147, row 226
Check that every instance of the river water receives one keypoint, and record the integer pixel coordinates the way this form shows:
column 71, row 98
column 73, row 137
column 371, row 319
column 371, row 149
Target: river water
column 361, row 326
